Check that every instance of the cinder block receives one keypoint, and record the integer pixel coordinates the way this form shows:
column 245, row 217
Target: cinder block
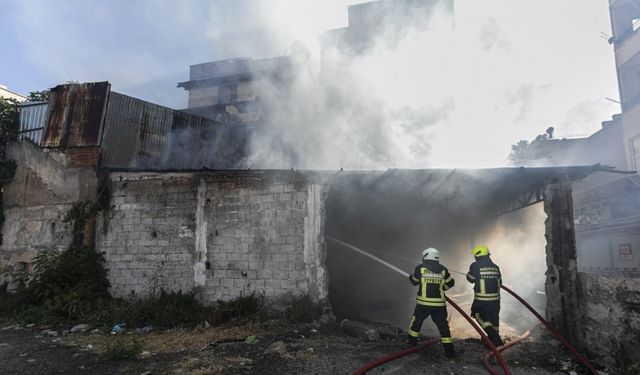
column 288, row 284
column 265, row 274
column 289, row 188
column 241, row 266
column 240, row 283
column 272, row 284
column 275, row 189
column 234, row 257
column 296, row 275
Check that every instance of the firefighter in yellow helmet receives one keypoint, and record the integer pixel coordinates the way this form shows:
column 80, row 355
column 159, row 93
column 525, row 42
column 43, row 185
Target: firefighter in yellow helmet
column 486, row 277
column 432, row 279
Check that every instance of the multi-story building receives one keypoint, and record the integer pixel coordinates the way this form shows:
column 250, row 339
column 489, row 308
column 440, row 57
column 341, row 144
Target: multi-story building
column 625, row 22
column 233, row 90
column 607, row 206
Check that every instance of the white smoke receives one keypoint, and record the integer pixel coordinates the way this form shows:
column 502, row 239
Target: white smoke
column 370, row 110
column 435, row 96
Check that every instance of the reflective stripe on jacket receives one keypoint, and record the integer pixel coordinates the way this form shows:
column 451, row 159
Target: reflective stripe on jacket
column 486, row 277
column 432, row 279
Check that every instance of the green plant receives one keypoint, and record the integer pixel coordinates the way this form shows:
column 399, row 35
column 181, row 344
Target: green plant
column 79, row 214
column 121, row 348
column 9, row 125
column 68, row 284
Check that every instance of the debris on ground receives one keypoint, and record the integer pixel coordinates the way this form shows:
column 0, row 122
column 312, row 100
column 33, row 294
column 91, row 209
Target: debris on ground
column 359, row 329
column 282, row 349
column 117, row 328
column 80, row 328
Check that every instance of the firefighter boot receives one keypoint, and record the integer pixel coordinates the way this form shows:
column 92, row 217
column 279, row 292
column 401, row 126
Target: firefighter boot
column 494, row 336
column 413, row 341
column 448, row 350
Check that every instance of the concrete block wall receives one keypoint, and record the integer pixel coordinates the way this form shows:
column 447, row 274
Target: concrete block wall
column 610, row 311
column 228, row 234
column 146, row 234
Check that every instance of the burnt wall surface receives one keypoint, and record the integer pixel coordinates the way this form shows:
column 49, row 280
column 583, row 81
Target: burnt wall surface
column 611, row 315
column 229, row 234
column 562, row 282
column 45, row 187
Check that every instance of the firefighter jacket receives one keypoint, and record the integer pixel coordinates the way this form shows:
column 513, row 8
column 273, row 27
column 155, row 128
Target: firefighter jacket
column 487, row 279
column 433, row 279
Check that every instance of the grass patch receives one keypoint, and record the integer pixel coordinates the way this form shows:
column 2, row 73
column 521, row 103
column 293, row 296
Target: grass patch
column 122, row 348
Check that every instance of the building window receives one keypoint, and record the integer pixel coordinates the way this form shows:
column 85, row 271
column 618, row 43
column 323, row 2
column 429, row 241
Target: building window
column 635, row 152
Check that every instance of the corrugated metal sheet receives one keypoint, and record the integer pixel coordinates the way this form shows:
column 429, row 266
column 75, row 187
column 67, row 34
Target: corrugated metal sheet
column 142, row 135
column 75, row 115
column 135, row 133
column 33, row 117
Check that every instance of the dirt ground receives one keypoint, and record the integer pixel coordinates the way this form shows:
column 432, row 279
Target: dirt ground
column 276, row 349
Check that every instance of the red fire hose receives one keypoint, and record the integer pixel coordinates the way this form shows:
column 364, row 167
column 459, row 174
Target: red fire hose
column 486, row 340
column 486, row 360
column 391, row 357
column 555, row 334
column 494, row 350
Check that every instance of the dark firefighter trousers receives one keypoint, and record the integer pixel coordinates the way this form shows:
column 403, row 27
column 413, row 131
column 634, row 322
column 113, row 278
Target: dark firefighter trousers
column 439, row 317
column 487, row 313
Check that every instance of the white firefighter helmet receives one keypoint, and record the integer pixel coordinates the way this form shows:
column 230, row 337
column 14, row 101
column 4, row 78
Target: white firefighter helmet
column 431, row 254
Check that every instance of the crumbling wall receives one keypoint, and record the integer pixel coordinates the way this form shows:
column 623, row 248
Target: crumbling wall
column 611, row 316
column 561, row 285
column 229, row 234
column 44, row 189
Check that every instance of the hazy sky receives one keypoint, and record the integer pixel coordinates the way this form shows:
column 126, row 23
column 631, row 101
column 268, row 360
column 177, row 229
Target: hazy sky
column 513, row 67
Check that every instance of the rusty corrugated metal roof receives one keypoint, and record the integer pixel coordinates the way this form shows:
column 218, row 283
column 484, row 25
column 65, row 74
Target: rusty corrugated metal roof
column 75, row 115
column 135, row 133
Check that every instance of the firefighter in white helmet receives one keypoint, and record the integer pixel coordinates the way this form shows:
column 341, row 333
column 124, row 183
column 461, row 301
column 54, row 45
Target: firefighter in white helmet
column 432, row 279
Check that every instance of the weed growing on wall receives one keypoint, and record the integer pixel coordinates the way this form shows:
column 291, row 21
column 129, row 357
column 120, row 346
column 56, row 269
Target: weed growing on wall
column 79, row 215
